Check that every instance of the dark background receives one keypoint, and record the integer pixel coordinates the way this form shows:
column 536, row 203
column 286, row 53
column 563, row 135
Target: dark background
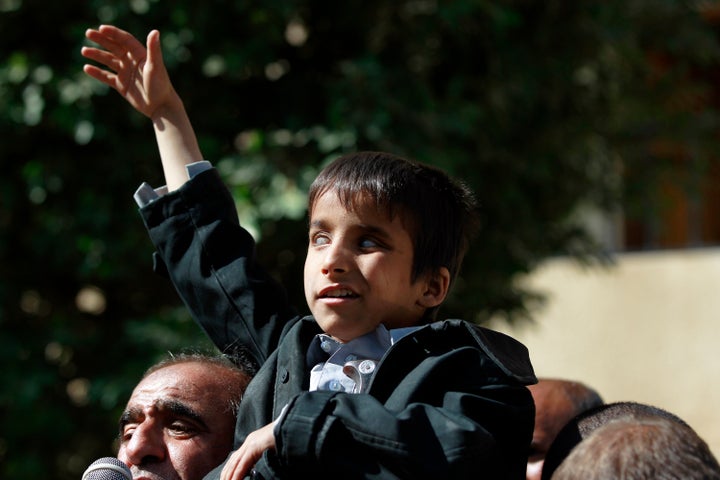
column 545, row 108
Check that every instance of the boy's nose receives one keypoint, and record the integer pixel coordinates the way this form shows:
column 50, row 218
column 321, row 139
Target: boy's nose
column 147, row 445
column 336, row 260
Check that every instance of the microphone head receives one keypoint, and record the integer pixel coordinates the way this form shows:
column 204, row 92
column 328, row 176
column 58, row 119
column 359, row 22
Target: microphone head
column 107, row 468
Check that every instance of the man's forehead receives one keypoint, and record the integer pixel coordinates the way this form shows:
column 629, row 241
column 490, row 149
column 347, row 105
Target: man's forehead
column 176, row 382
column 173, row 390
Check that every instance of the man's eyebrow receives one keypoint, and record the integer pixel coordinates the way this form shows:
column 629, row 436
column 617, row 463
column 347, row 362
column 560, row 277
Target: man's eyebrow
column 128, row 416
column 176, row 407
column 181, row 410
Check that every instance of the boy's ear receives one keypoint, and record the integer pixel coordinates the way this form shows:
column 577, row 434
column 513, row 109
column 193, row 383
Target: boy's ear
column 436, row 288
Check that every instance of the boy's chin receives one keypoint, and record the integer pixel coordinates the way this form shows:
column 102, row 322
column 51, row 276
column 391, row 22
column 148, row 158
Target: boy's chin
column 341, row 331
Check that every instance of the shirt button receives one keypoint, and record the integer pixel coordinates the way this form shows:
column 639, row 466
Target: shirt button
column 366, row 367
column 326, row 345
column 336, row 386
column 351, row 357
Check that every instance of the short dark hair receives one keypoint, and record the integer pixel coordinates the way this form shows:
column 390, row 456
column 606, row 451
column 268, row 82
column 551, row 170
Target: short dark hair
column 640, row 448
column 583, row 425
column 440, row 213
column 239, row 374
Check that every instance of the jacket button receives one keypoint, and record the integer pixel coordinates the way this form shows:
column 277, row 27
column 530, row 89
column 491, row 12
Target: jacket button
column 284, row 376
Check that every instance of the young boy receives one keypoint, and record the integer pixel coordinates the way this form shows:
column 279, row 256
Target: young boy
column 369, row 385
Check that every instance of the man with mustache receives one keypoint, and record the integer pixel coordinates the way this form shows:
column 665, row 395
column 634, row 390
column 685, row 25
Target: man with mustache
column 180, row 419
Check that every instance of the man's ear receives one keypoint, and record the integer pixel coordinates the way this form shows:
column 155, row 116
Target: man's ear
column 436, row 288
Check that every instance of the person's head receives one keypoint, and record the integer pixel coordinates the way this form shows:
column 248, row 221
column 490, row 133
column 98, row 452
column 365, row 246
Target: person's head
column 583, row 425
column 179, row 422
column 387, row 238
column 646, row 448
column 557, row 401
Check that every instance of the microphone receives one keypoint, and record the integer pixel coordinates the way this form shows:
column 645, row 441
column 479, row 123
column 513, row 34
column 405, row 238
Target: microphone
column 107, row 468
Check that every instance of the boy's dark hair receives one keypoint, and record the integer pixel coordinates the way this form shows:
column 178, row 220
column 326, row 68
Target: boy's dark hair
column 440, row 213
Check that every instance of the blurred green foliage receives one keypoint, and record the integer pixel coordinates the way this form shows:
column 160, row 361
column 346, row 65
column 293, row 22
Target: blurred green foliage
column 543, row 107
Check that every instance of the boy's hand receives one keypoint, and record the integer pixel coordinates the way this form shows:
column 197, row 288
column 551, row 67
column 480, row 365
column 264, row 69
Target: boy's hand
column 244, row 458
column 137, row 73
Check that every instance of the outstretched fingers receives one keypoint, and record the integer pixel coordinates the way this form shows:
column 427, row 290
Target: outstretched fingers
column 104, row 57
column 106, row 77
column 134, row 70
column 117, row 41
column 120, row 50
column 125, row 58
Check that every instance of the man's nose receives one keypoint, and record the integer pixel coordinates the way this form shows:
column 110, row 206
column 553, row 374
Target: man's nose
column 147, row 445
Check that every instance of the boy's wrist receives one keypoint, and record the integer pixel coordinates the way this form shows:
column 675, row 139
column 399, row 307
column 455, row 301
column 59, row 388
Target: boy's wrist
column 169, row 110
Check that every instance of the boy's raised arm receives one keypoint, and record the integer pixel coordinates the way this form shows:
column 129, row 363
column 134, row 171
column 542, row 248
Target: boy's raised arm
column 138, row 73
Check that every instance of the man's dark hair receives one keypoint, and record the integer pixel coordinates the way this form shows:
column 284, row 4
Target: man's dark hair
column 587, row 422
column 640, row 448
column 439, row 213
column 239, row 374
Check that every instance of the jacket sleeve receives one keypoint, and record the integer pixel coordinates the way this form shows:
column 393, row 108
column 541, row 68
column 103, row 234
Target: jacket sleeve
column 455, row 415
column 210, row 260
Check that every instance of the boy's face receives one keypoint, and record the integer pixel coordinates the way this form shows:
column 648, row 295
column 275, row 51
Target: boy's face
column 358, row 270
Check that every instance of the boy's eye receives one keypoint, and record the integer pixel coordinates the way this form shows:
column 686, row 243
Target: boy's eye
column 319, row 239
column 368, row 243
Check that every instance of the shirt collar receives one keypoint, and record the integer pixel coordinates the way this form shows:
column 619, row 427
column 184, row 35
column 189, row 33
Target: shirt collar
column 372, row 345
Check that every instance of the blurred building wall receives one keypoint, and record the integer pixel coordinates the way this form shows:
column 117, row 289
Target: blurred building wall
column 646, row 330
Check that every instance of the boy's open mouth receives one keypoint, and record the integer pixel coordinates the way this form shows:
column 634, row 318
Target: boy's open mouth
column 338, row 293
